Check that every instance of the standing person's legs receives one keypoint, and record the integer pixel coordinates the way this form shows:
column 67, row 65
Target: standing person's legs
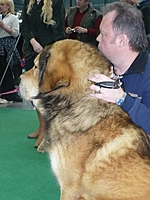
column 7, row 83
column 2, row 69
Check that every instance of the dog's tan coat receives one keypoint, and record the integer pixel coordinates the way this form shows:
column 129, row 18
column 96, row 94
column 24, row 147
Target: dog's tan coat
column 96, row 152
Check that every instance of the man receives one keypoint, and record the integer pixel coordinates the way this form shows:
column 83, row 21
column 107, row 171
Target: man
column 122, row 40
column 82, row 22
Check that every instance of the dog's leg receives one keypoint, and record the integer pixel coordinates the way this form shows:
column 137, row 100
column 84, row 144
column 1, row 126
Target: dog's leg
column 37, row 132
column 34, row 135
column 41, row 148
column 41, row 130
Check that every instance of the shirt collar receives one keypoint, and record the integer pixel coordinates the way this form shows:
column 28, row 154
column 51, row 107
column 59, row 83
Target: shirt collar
column 138, row 66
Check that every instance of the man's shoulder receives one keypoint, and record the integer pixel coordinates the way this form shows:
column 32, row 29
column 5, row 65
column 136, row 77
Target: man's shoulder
column 73, row 8
column 147, row 67
column 94, row 10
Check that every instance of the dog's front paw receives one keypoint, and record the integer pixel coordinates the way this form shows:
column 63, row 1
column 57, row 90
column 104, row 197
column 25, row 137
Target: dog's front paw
column 40, row 148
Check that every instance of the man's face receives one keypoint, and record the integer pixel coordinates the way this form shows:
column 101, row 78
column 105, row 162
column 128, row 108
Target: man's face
column 81, row 4
column 107, row 38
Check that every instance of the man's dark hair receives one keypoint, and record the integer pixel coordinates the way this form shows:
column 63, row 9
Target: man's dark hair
column 128, row 20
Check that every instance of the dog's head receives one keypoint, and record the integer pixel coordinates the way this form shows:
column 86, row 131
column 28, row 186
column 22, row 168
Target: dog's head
column 60, row 72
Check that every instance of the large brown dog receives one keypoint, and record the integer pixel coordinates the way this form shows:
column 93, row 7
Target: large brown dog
column 96, row 152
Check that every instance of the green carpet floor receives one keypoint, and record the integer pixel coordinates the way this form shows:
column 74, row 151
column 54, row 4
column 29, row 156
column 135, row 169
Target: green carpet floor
column 25, row 174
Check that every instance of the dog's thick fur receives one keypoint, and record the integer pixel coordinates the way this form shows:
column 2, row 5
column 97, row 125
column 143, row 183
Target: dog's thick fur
column 96, row 151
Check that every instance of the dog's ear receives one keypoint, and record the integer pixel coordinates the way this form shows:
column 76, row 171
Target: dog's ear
column 54, row 73
column 43, row 58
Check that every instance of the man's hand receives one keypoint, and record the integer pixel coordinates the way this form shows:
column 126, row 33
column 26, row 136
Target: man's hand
column 77, row 29
column 68, row 30
column 109, row 95
column 80, row 29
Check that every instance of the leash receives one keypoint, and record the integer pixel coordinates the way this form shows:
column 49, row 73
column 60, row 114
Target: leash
column 10, row 92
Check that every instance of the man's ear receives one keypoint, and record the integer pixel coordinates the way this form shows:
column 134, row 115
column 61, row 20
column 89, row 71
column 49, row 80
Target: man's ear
column 122, row 40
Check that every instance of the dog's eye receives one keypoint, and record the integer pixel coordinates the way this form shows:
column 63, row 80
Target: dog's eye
column 35, row 67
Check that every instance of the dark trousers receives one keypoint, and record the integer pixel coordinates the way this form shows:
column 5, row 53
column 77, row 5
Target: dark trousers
column 8, row 82
column 29, row 61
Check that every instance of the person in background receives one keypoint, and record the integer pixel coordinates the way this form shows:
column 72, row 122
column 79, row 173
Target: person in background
column 144, row 7
column 123, row 42
column 9, row 30
column 82, row 22
column 43, row 23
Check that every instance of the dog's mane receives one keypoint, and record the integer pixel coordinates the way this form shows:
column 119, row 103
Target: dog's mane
column 76, row 119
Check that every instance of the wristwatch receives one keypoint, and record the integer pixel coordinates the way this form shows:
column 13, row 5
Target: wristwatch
column 120, row 101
